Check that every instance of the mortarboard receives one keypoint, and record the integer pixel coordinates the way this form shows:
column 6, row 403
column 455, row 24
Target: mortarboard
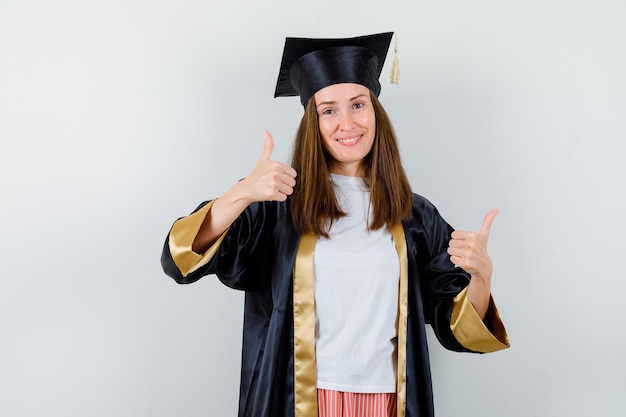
column 308, row 65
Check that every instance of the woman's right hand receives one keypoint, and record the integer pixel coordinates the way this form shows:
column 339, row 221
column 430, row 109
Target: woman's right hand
column 269, row 180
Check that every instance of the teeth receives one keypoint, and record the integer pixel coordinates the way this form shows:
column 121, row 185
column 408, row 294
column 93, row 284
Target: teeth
column 348, row 141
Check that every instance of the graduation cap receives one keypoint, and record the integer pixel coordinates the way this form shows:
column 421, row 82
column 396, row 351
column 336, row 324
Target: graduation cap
column 308, row 65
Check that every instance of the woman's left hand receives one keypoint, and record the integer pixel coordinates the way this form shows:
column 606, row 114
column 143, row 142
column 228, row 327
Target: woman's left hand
column 468, row 250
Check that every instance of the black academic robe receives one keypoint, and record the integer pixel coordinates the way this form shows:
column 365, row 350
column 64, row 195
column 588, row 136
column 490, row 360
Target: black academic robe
column 257, row 255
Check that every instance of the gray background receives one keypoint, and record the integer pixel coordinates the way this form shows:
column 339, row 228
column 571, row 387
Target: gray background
column 118, row 117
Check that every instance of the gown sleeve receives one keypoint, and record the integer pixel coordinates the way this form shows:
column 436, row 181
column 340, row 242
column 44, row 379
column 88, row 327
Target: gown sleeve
column 444, row 290
column 488, row 335
column 237, row 257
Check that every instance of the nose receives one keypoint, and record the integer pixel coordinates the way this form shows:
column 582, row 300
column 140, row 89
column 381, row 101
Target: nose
column 346, row 122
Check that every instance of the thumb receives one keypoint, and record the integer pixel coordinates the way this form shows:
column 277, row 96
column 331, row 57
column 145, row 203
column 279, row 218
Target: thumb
column 486, row 226
column 266, row 153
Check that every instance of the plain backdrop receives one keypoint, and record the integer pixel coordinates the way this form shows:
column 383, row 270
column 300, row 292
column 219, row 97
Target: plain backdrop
column 118, row 117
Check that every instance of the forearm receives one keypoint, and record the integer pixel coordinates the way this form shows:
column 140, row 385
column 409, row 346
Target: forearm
column 222, row 214
column 479, row 294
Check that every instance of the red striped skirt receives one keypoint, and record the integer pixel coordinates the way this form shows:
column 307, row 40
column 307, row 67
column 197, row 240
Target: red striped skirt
column 350, row 404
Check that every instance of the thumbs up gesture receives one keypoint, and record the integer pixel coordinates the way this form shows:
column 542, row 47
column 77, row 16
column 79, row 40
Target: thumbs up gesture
column 468, row 250
column 270, row 180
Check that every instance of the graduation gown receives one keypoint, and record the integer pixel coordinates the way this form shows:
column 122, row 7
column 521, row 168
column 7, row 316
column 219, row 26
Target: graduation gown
column 260, row 254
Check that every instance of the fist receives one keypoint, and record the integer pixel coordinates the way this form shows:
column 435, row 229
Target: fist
column 468, row 250
column 270, row 180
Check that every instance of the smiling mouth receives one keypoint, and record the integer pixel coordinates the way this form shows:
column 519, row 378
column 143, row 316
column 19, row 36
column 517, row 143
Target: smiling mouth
column 350, row 140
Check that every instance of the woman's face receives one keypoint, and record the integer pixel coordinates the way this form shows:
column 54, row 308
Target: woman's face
column 348, row 125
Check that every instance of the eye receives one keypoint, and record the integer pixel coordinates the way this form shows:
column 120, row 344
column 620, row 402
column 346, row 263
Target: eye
column 328, row 111
column 358, row 105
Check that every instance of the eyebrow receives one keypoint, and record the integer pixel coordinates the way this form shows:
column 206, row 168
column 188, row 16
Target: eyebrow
column 325, row 103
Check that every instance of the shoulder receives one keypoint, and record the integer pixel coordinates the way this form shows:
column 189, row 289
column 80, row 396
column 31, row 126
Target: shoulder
column 423, row 207
column 426, row 220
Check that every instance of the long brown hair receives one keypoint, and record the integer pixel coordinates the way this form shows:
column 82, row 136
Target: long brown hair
column 313, row 203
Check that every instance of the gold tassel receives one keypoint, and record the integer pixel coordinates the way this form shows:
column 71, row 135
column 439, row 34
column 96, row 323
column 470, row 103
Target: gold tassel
column 395, row 67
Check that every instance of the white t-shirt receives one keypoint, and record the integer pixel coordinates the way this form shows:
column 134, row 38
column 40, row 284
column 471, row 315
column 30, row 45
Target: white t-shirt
column 356, row 298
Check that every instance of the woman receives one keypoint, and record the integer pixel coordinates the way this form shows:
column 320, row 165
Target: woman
column 341, row 264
